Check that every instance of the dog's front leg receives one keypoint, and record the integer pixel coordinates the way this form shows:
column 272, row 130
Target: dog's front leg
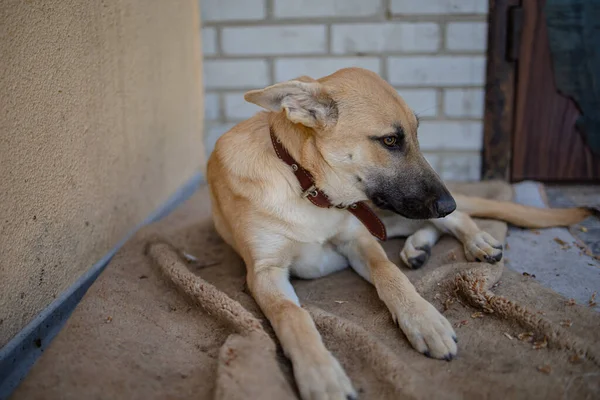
column 428, row 331
column 318, row 374
column 417, row 247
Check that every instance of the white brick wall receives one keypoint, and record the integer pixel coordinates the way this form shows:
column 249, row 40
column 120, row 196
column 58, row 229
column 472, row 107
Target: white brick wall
column 468, row 36
column 450, row 135
column 442, row 7
column 390, row 37
column 211, row 107
column 235, row 73
column 424, row 102
column 325, row 8
column 289, row 68
column 232, row 10
column 464, row 103
column 431, row 51
column 236, row 108
column 437, row 71
column 460, row 166
column 271, row 40
column 209, row 41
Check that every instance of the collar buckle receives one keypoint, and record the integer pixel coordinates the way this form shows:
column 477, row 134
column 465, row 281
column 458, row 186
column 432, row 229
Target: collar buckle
column 352, row 206
column 311, row 191
column 305, row 178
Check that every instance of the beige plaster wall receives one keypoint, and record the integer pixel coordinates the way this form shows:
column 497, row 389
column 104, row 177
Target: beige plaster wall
column 100, row 122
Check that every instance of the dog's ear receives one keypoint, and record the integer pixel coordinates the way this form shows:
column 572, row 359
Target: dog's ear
column 304, row 100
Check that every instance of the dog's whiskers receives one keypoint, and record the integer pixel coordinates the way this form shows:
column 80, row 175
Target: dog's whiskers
column 418, row 114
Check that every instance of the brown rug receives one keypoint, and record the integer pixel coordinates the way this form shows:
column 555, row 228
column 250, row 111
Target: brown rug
column 134, row 336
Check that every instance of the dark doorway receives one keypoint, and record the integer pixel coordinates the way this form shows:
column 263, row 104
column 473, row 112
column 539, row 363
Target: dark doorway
column 530, row 128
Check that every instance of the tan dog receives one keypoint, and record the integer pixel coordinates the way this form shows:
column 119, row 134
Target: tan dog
column 358, row 139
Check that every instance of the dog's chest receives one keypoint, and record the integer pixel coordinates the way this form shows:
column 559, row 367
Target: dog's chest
column 311, row 224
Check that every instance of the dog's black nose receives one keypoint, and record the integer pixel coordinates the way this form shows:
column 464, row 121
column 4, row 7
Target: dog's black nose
column 445, row 205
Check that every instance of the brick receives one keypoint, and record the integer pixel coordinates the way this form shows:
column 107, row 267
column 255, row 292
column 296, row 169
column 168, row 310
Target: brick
column 433, row 159
column 460, row 167
column 464, row 102
column 209, row 41
column 289, row 68
column 326, row 8
column 236, row 108
column 470, row 36
column 422, row 101
column 390, row 37
column 212, row 132
column 269, row 40
column 229, row 10
column 450, row 135
column 250, row 74
column 439, row 6
column 436, row 70
column 211, row 106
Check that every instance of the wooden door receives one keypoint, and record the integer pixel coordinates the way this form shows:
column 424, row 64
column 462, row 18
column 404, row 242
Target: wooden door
column 546, row 144
column 530, row 128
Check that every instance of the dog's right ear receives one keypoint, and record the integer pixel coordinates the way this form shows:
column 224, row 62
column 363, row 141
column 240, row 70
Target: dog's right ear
column 304, row 100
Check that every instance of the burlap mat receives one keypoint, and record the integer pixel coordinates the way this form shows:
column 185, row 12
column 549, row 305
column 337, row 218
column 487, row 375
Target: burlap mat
column 134, row 336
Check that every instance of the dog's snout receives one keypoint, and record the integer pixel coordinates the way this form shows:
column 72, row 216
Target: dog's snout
column 444, row 205
column 428, row 198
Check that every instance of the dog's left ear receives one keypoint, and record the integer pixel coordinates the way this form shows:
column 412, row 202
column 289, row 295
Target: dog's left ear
column 304, row 100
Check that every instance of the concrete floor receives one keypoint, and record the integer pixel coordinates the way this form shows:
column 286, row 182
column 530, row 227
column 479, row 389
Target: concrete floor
column 579, row 195
column 562, row 267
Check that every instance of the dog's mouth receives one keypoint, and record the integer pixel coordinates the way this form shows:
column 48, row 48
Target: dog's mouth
column 415, row 208
column 382, row 203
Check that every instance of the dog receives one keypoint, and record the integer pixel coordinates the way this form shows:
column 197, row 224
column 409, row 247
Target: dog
column 292, row 191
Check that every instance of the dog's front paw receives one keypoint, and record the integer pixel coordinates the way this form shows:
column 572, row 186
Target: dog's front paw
column 322, row 378
column 483, row 247
column 427, row 330
column 415, row 257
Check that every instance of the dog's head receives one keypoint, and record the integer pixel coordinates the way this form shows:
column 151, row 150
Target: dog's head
column 362, row 141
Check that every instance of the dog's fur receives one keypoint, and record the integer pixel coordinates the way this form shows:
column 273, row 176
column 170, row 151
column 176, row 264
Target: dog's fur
column 334, row 127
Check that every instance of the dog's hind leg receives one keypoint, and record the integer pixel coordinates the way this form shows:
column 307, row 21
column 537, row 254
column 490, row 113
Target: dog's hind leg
column 399, row 226
column 417, row 247
column 479, row 245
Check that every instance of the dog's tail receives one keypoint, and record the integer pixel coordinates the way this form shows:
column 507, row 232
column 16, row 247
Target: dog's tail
column 520, row 215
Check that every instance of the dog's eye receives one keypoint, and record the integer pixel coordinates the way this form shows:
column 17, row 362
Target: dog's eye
column 390, row 141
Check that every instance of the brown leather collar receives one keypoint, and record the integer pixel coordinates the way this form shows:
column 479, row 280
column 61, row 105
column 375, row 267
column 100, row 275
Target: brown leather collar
column 309, row 190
